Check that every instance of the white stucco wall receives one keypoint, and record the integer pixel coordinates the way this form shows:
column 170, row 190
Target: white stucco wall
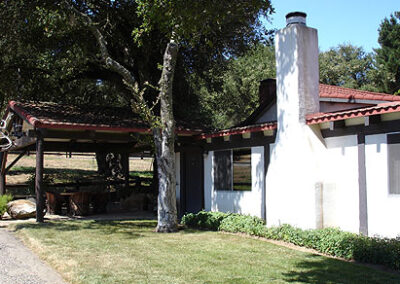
column 340, row 189
column 293, row 177
column 245, row 202
column 383, row 208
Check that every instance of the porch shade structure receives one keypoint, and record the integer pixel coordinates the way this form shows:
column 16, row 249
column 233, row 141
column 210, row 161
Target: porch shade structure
column 50, row 127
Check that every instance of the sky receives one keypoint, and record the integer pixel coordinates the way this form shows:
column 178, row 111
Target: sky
column 339, row 21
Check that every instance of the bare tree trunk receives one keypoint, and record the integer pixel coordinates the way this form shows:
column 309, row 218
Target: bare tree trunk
column 164, row 139
column 111, row 165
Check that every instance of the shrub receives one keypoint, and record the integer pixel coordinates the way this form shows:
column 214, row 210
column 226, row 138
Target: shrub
column 330, row 241
column 204, row 220
column 4, row 199
column 244, row 224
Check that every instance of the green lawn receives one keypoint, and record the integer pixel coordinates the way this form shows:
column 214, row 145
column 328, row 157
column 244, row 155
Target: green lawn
column 130, row 252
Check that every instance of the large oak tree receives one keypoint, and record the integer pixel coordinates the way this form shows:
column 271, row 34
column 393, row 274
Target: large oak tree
column 124, row 51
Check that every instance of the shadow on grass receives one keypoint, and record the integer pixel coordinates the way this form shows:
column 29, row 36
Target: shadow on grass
column 318, row 269
column 132, row 229
column 31, row 170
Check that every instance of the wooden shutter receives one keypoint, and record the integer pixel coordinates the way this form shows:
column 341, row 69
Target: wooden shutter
column 222, row 170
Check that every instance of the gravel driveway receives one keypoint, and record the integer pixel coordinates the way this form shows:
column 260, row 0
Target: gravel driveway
column 18, row 265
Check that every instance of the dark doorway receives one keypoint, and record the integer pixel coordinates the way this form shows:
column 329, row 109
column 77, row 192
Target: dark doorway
column 192, row 190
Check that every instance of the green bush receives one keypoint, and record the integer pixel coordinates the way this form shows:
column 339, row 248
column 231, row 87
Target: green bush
column 204, row 220
column 244, row 224
column 330, row 241
column 4, row 199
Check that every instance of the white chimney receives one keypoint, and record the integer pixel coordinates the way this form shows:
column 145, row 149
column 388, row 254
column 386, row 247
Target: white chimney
column 296, row 51
column 293, row 177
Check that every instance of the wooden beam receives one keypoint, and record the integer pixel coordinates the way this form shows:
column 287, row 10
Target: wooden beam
column 336, row 124
column 15, row 161
column 86, row 135
column 378, row 128
column 23, row 142
column 269, row 132
column 237, row 141
column 372, row 119
column 39, row 180
column 3, row 161
column 87, row 147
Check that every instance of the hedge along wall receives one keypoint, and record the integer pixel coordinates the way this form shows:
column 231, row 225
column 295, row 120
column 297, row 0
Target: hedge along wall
column 330, row 241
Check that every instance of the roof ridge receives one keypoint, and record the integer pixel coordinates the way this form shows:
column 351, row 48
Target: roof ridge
column 356, row 90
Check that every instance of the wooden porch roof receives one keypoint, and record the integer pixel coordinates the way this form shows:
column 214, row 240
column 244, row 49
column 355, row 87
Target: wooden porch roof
column 58, row 116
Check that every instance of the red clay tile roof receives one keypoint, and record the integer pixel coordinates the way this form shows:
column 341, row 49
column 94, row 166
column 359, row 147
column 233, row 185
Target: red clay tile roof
column 52, row 115
column 240, row 130
column 367, row 111
column 332, row 92
column 328, row 91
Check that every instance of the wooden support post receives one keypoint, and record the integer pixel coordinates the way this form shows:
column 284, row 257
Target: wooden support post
column 362, row 186
column 125, row 166
column 3, row 161
column 39, row 180
column 15, row 161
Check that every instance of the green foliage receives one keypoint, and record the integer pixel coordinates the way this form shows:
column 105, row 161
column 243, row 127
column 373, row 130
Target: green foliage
column 348, row 66
column 49, row 54
column 204, row 220
column 388, row 55
column 208, row 22
column 244, row 224
column 4, row 199
column 233, row 96
column 329, row 241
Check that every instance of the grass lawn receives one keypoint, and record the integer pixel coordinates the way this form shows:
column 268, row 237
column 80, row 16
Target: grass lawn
column 130, row 252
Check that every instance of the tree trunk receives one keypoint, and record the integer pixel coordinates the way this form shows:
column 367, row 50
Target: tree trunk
column 101, row 163
column 164, row 139
column 112, row 165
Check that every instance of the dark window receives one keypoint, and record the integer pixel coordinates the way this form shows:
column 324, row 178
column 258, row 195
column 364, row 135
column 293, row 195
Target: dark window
column 241, row 169
column 394, row 163
column 232, row 169
column 222, row 170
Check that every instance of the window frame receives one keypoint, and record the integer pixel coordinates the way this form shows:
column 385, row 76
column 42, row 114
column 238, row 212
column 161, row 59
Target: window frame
column 216, row 188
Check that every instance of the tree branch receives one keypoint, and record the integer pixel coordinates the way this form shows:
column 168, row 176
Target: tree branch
column 129, row 80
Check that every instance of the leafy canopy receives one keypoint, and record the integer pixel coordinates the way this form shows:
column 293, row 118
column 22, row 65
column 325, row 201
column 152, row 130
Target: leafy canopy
column 347, row 66
column 388, row 55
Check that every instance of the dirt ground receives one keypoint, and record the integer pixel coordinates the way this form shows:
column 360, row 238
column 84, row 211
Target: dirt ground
column 79, row 162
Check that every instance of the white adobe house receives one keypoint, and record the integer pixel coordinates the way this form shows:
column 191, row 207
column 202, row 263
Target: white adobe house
column 311, row 155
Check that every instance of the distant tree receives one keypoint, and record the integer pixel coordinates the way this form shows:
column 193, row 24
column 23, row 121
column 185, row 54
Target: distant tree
column 388, row 55
column 347, row 66
column 236, row 96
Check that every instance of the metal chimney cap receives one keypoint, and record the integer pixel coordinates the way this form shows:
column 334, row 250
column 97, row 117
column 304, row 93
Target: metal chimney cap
column 296, row 18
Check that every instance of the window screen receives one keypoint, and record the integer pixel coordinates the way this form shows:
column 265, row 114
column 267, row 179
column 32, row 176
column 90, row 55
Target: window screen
column 222, row 170
column 241, row 169
column 394, row 163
